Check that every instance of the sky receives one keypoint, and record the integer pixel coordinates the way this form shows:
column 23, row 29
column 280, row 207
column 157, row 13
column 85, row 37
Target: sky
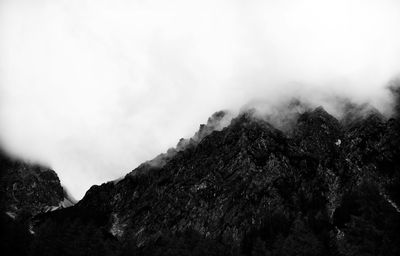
column 92, row 88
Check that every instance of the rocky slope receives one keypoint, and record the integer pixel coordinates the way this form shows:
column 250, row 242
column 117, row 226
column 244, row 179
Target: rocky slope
column 322, row 187
column 28, row 189
column 25, row 191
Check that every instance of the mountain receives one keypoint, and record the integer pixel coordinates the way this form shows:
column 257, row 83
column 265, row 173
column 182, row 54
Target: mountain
column 29, row 188
column 320, row 186
column 25, row 190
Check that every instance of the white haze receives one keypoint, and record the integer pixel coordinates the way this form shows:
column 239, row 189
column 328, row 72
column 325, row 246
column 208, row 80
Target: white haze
column 93, row 88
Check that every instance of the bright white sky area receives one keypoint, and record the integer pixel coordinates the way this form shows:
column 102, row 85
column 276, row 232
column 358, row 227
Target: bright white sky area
column 93, row 88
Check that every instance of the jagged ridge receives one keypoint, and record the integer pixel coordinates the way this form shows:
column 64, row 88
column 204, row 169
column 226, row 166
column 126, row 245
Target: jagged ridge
column 250, row 176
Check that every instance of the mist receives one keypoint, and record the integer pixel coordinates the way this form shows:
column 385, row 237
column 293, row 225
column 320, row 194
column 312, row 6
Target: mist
column 94, row 88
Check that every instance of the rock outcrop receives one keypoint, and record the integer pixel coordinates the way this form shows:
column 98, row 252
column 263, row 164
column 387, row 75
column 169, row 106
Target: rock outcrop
column 28, row 189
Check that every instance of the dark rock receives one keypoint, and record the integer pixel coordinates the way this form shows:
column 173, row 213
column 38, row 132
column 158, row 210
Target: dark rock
column 254, row 187
column 28, row 188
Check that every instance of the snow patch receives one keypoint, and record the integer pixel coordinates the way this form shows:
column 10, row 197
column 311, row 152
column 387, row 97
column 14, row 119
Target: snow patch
column 12, row 215
column 339, row 234
column 31, row 229
column 66, row 203
column 395, row 206
column 117, row 228
column 63, row 204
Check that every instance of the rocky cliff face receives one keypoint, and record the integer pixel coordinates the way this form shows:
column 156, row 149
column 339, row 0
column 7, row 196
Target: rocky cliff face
column 322, row 187
column 28, row 189
column 25, row 191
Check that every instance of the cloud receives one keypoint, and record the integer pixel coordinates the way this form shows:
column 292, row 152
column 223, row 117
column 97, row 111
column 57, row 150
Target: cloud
column 94, row 88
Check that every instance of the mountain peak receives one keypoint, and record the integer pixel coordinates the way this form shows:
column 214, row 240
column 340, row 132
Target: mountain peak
column 28, row 189
column 249, row 185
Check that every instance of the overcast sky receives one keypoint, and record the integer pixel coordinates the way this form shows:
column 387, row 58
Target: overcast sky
column 93, row 88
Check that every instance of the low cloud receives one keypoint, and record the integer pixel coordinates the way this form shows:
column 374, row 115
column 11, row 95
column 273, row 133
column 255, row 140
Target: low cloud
column 94, row 88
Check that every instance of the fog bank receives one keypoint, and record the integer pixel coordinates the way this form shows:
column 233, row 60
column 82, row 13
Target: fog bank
column 94, row 88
